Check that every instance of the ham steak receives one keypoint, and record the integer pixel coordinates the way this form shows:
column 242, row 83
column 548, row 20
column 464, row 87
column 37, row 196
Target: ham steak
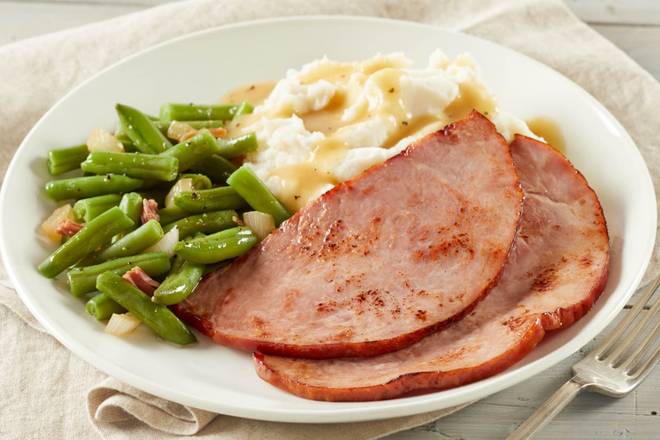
column 557, row 268
column 378, row 262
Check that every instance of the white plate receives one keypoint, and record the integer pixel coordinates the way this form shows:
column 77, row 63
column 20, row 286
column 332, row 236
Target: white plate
column 200, row 68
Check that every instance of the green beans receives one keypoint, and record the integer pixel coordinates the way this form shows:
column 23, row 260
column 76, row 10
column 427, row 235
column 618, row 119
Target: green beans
column 238, row 146
column 192, row 112
column 122, row 137
column 217, row 168
column 243, row 108
column 258, row 196
column 102, row 307
column 156, row 316
column 90, row 208
column 142, row 131
column 90, row 186
column 224, row 197
column 205, row 223
column 195, row 149
column 91, row 237
column 134, row 242
column 180, row 283
column 172, row 214
column 197, row 125
column 131, row 205
column 83, row 279
column 62, row 160
column 199, row 181
column 144, row 166
column 217, row 247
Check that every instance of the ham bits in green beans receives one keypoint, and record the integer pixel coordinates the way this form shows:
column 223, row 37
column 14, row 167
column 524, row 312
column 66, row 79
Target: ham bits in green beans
column 160, row 200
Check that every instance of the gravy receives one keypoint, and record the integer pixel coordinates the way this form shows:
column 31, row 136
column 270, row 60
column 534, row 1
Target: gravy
column 548, row 129
column 304, row 181
column 254, row 93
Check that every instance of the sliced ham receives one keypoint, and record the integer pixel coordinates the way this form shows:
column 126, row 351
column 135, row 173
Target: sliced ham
column 140, row 279
column 68, row 227
column 557, row 268
column 378, row 262
column 149, row 210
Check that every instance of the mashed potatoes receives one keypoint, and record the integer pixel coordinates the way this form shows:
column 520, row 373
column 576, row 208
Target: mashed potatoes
column 330, row 120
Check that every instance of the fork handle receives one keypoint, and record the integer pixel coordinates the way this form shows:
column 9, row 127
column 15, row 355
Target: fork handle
column 548, row 410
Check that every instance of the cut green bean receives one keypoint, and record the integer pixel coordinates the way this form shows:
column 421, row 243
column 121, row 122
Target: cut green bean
column 171, row 214
column 90, row 208
column 199, row 181
column 83, row 279
column 244, row 108
column 194, row 150
column 156, row 316
column 206, row 223
column 126, row 142
column 122, row 137
column 143, row 166
column 102, row 307
column 180, row 283
column 217, row 247
column 258, row 196
column 142, row 131
column 62, row 160
column 206, row 200
column 90, row 186
column 237, row 146
column 163, row 126
column 91, row 237
column 131, row 205
column 194, row 112
column 217, row 168
column 134, row 242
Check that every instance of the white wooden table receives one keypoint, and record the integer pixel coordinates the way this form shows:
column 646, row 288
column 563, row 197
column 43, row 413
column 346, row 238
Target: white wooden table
column 633, row 25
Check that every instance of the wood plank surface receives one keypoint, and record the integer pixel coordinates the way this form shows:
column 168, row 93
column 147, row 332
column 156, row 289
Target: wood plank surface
column 638, row 12
column 641, row 43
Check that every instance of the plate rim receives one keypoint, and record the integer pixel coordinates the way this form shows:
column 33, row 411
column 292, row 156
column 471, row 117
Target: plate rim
column 337, row 413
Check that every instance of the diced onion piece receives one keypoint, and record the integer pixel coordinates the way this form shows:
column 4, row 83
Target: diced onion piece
column 102, row 140
column 182, row 185
column 167, row 243
column 260, row 223
column 121, row 324
column 180, row 131
column 49, row 227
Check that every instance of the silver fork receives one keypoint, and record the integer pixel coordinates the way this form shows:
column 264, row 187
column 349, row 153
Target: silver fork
column 614, row 368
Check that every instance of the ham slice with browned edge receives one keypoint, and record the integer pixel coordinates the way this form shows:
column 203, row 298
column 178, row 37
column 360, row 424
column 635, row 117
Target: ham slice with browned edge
column 379, row 261
column 557, row 268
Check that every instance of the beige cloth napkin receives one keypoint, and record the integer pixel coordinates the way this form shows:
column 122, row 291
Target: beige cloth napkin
column 42, row 384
